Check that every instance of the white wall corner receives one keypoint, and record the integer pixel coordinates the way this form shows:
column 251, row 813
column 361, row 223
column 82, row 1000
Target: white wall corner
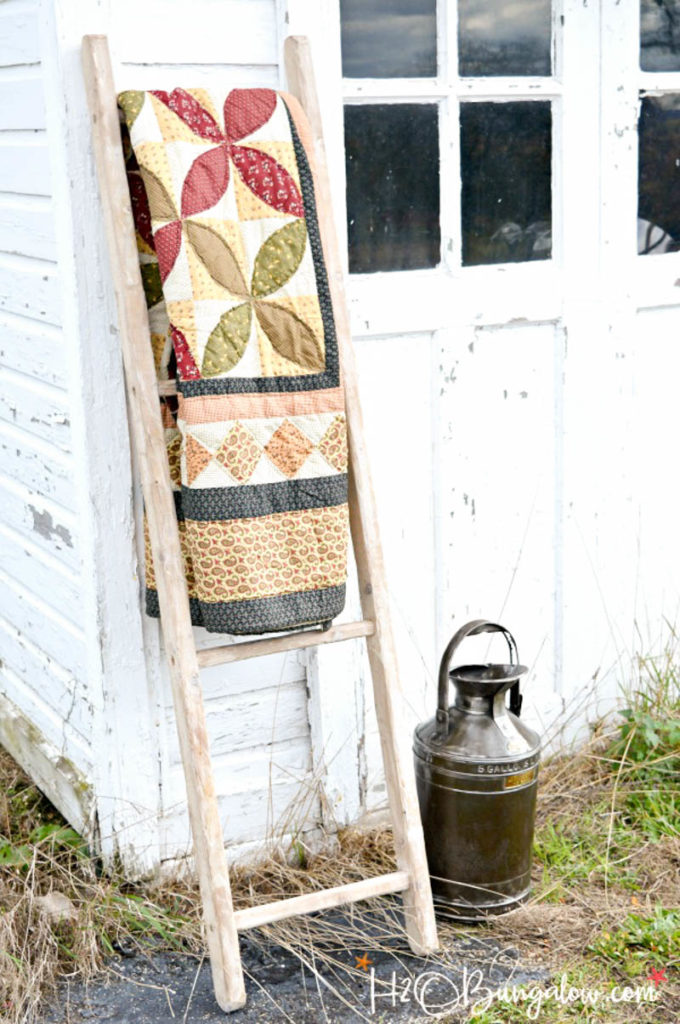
column 126, row 781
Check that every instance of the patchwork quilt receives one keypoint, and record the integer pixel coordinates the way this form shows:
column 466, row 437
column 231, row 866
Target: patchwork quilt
column 240, row 316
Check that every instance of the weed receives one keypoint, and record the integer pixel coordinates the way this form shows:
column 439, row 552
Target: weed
column 607, row 860
column 640, row 940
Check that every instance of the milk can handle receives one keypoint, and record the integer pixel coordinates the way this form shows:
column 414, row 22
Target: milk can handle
column 472, row 629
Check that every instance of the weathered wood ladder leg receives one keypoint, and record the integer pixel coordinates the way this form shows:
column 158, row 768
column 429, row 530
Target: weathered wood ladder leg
column 401, row 792
column 142, row 391
column 412, row 879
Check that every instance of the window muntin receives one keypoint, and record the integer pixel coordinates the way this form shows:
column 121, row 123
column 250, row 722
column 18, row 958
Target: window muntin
column 497, row 37
column 526, row 238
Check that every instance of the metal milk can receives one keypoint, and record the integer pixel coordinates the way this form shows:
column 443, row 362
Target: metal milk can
column 477, row 773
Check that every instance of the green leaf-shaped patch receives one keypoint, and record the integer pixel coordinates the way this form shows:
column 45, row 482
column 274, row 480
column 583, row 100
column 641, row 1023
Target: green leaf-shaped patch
column 151, row 279
column 228, row 341
column 278, row 258
column 131, row 102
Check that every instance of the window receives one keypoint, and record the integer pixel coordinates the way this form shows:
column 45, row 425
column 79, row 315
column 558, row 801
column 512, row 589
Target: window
column 660, row 35
column 448, row 133
column 659, row 130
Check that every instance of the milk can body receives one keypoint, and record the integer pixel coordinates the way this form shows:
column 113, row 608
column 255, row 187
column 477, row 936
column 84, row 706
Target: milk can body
column 476, row 768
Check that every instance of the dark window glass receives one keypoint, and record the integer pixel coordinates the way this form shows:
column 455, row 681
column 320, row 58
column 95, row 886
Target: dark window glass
column 389, row 38
column 500, row 38
column 506, row 178
column 659, row 174
column 660, row 35
column 392, row 159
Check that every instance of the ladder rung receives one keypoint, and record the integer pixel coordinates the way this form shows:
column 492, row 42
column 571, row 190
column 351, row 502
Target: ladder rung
column 167, row 387
column 256, row 916
column 289, row 642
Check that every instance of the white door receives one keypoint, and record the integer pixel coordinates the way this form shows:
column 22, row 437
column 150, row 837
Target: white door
column 485, row 164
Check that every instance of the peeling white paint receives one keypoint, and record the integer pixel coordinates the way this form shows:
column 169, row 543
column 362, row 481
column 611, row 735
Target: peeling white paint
column 517, row 419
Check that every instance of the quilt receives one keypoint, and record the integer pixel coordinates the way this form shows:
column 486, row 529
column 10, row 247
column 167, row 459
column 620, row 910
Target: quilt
column 240, row 316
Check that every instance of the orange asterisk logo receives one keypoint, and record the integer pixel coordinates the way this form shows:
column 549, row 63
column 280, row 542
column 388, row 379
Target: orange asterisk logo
column 363, row 962
column 657, row 976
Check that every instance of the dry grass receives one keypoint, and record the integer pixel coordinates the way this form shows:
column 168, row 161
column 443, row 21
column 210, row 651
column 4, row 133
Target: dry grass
column 607, row 857
column 606, row 902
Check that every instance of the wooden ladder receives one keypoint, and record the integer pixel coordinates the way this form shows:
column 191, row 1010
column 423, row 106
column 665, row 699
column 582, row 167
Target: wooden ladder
column 222, row 924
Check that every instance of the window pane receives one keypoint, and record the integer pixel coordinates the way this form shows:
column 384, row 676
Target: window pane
column 660, row 35
column 505, row 171
column 389, row 38
column 500, row 38
column 659, row 174
column 392, row 159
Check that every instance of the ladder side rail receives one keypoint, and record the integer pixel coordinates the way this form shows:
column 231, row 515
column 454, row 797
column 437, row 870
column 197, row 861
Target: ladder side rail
column 147, row 430
column 408, row 834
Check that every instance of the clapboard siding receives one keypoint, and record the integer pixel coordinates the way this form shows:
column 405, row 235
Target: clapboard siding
column 41, row 716
column 46, row 576
column 259, row 740
column 39, row 466
column 19, row 33
column 226, row 681
column 22, row 104
column 32, row 348
column 263, row 812
column 24, row 163
column 37, row 408
column 30, row 288
column 63, row 707
column 43, row 642
column 257, row 718
column 166, row 76
column 251, row 766
column 258, row 816
column 259, row 732
column 256, row 711
column 217, row 33
column 56, row 635
column 27, row 226
column 50, row 527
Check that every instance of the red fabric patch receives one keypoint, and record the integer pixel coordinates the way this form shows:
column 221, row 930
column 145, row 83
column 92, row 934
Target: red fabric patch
column 268, row 180
column 167, row 241
column 186, row 367
column 206, row 181
column 246, row 110
column 192, row 113
column 140, row 207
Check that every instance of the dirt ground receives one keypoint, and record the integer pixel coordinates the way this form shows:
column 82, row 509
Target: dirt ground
column 81, row 944
column 392, row 985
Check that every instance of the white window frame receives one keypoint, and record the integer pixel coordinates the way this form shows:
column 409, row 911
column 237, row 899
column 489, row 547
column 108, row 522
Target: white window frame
column 452, row 294
column 650, row 281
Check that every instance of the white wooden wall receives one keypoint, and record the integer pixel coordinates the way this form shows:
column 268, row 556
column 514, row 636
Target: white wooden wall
column 261, row 715
column 520, row 424
column 46, row 700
